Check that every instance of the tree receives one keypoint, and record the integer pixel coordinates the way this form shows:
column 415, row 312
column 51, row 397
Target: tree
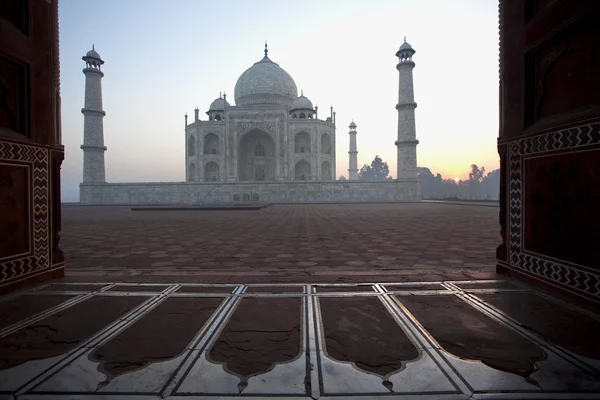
column 490, row 185
column 342, row 178
column 476, row 174
column 478, row 185
column 427, row 182
column 377, row 171
column 475, row 177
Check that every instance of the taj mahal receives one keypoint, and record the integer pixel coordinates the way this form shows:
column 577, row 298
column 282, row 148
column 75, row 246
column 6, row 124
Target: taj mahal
column 271, row 134
column 270, row 146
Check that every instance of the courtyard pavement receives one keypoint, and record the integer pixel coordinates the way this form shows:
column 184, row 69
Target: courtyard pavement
column 283, row 243
column 379, row 301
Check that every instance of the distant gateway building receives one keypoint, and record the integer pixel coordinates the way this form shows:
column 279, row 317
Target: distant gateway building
column 271, row 134
column 270, row 146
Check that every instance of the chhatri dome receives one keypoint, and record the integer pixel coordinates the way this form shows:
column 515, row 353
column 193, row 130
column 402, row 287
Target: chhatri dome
column 265, row 83
column 93, row 54
column 302, row 103
column 219, row 104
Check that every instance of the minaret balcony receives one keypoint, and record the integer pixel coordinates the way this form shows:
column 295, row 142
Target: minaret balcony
column 406, row 143
column 89, row 70
column 93, row 148
column 412, row 105
column 90, row 111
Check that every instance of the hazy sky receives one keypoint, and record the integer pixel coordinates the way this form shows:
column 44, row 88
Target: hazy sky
column 164, row 58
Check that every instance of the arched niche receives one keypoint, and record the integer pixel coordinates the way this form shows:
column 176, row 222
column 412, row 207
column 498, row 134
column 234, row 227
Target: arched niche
column 211, row 144
column 191, row 146
column 326, row 170
column 192, row 173
column 256, row 156
column 302, row 143
column 302, row 171
column 211, row 171
column 325, row 143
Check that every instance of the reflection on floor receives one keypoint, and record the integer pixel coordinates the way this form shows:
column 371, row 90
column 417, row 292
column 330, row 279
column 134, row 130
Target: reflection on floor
column 437, row 340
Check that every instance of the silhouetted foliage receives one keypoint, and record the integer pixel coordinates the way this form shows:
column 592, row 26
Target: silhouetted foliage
column 475, row 178
column 377, row 171
column 479, row 186
column 342, row 178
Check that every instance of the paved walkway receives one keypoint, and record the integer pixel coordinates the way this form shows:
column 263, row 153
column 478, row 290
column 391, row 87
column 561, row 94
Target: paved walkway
column 283, row 243
column 320, row 301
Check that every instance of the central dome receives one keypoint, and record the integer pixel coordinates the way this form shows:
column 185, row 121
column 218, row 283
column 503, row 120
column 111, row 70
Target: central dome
column 265, row 83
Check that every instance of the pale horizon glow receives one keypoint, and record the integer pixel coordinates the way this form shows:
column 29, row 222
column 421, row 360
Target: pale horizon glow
column 162, row 59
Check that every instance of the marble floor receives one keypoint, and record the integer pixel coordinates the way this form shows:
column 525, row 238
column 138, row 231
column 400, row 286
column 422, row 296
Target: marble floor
column 336, row 301
column 454, row 339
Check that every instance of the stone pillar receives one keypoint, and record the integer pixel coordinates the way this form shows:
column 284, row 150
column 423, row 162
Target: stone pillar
column 407, row 140
column 93, row 130
column 353, row 162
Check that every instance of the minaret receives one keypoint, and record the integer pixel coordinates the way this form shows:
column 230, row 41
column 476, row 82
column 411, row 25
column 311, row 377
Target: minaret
column 407, row 137
column 93, row 130
column 353, row 163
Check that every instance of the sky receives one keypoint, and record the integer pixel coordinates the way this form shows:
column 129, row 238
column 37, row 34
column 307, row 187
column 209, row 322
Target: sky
column 162, row 59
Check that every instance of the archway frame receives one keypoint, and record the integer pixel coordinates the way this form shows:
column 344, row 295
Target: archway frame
column 242, row 136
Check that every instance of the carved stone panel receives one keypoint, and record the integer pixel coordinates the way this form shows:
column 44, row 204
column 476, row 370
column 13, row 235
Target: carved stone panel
column 16, row 12
column 14, row 95
column 14, row 157
column 534, row 7
column 246, row 126
column 15, row 223
column 561, row 206
column 563, row 77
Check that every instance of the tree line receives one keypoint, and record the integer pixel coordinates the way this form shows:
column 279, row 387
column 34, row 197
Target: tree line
column 479, row 186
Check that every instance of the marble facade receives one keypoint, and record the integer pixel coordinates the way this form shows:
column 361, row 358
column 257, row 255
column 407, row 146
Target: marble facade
column 234, row 192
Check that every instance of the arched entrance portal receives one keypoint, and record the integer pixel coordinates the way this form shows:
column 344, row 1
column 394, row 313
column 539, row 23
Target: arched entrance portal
column 326, row 170
column 256, row 157
column 211, row 171
column 302, row 171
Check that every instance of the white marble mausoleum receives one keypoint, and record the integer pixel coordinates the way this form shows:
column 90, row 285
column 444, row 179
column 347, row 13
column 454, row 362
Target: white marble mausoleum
column 270, row 134
column 270, row 146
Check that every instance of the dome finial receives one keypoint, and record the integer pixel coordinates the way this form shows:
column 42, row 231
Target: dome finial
column 93, row 46
column 404, row 39
column 302, row 92
column 220, row 95
column 266, row 49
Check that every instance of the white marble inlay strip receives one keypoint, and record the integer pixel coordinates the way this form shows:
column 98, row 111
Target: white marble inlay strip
column 315, row 365
column 442, row 292
column 511, row 323
column 87, row 396
column 409, row 283
column 346, row 294
column 208, row 377
column 217, row 320
column 494, row 290
column 568, row 305
column 428, row 342
column 343, row 379
column 536, row 396
column 275, row 285
column 477, row 396
column 480, row 281
column 201, row 294
column 13, row 295
column 99, row 337
column 47, row 289
column 39, row 316
column 153, row 378
column 424, row 342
